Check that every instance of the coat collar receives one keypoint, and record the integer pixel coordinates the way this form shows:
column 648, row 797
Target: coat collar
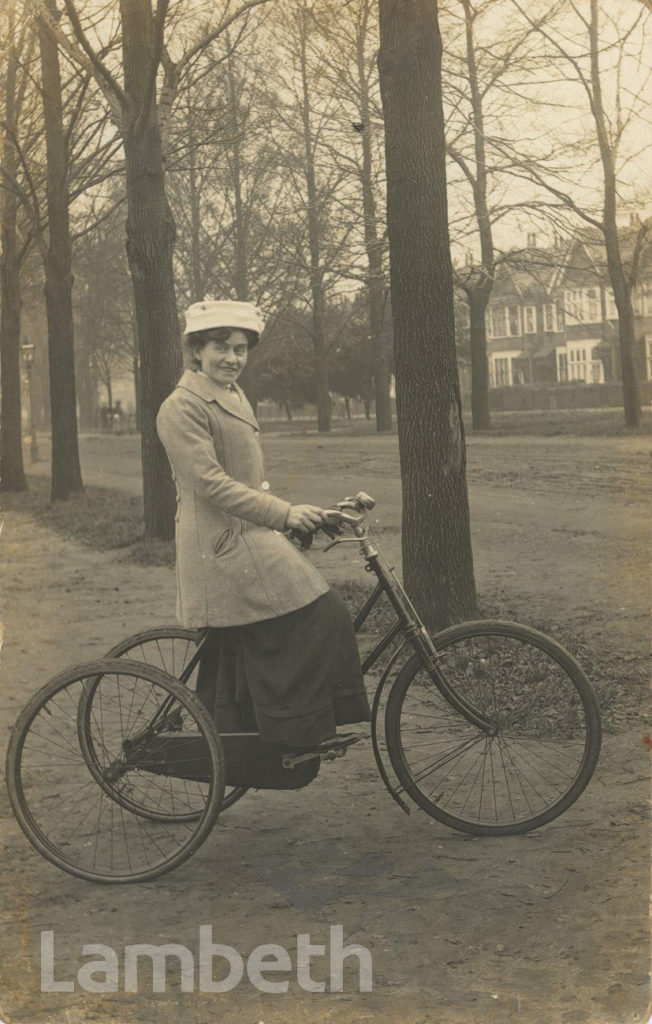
column 201, row 385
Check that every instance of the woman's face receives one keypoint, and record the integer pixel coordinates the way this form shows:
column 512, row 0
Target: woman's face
column 224, row 361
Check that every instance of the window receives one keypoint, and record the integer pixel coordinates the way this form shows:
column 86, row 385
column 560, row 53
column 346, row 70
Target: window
column 552, row 317
column 562, row 365
column 573, row 305
column 513, row 321
column 642, row 300
column 501, row 367
column 593, row 312
column 584, row 362
column 583, row 305
column 501, row 372
column 530, row 320
column 505, row 321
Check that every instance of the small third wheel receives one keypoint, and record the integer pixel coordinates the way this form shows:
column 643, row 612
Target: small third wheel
column 540, row 747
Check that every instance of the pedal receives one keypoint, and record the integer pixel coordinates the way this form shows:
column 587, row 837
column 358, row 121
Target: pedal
column 330, row 750
column 292, row 760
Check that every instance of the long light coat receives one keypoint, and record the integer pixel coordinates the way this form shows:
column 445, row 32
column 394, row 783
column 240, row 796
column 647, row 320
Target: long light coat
column 232, row 567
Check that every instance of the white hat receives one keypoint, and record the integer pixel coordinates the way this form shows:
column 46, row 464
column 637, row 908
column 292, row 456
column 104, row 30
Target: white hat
column 244, row 316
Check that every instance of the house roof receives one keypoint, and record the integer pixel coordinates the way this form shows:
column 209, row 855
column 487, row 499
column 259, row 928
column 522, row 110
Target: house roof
column 528, row 272
column 533, row 271
column 587, row 252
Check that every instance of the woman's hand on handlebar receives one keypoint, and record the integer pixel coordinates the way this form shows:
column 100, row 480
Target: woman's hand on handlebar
column 304, row 518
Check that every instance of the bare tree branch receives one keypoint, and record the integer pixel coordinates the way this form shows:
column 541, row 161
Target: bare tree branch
column 102, row 73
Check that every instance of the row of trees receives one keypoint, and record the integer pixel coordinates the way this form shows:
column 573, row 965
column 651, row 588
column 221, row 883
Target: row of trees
column 245, row 152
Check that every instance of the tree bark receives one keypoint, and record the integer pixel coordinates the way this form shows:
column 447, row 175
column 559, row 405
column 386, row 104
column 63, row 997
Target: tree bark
column 66, row 469
column 437, row 556
column 12, row 471
column 150, row 249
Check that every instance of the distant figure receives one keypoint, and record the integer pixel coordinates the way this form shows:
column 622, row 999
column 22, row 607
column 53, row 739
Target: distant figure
column 104, row 418
column 118, row 417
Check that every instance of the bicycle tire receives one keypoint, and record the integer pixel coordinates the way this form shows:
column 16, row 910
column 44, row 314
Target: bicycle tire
column 547, row 730
column 75, row 823
column 152, row 646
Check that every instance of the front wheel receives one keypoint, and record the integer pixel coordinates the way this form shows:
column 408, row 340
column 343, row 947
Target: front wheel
column 542, row 747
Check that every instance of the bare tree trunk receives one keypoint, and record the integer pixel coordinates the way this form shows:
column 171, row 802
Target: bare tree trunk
column 109, row 398
column 150, row 248
column 86, row 394
column 86, row 382
column 12, row 472
column 197, row 278
column 247, row 379
column 437, row 557
column 136, row 370
column 480, row 410
column 66, row 469
column 374, row 248
column 621, row 287
column 479, row 290
column 314, row 232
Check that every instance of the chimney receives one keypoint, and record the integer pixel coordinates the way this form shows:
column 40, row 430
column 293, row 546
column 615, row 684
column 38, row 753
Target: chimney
column 532, row 240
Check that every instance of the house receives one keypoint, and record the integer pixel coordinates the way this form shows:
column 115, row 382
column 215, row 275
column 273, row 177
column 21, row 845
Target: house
column 552, row 316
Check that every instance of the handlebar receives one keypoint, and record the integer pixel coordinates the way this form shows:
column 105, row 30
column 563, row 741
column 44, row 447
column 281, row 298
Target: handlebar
column 338, row 515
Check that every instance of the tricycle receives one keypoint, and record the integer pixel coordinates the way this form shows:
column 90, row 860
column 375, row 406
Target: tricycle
column 117, row 772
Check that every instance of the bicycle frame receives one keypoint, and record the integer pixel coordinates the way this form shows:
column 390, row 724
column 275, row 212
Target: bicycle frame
column 409, row 625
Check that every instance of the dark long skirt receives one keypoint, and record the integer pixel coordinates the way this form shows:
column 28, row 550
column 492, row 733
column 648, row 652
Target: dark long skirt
column 293, row 678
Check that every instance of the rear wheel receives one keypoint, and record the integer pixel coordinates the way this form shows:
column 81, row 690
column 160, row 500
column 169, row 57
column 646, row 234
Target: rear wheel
column 173, row 649
column 544, row 742
column 126, row 794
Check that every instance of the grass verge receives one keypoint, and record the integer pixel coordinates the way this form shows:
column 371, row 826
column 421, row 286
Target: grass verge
column 101, row 518
column 606, row 422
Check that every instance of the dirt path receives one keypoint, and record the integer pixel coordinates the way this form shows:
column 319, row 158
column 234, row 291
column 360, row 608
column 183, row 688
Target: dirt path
column 543, row 929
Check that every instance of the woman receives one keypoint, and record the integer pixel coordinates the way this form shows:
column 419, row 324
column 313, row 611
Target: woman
column 282, row 656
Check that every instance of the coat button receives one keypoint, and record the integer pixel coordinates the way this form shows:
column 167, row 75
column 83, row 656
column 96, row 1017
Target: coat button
column 265, row 485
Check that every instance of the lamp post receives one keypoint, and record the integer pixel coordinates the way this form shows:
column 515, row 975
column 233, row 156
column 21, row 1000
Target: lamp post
column 27, row 350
